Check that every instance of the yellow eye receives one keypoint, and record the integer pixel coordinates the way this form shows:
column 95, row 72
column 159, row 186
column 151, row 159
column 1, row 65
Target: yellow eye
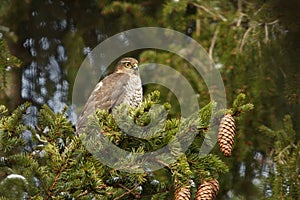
column 128, row 65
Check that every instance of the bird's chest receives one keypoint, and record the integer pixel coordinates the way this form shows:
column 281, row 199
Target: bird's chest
column 133, row 91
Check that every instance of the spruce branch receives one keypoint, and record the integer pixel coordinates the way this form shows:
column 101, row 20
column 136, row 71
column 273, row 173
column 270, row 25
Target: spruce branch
column 239, row 105
column 65, row 158
column 51, row 188
column 285, row 153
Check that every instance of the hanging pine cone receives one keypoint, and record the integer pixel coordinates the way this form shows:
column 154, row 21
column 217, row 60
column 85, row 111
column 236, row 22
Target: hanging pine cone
column 208, row 190
column 226, row 134
column 182, row 193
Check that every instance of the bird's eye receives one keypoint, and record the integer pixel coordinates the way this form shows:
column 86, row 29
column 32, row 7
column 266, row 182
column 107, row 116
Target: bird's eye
column 128, row 65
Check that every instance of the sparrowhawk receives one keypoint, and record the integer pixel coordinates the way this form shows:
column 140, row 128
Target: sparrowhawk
column 123, row 86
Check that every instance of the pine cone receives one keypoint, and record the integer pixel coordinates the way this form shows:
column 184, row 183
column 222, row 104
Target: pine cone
column 226, row 134
column 208, row 190
column 182, row 193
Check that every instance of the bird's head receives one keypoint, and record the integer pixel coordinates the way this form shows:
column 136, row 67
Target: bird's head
column 127, row 65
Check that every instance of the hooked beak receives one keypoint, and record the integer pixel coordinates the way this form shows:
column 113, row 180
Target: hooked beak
column 135, row 67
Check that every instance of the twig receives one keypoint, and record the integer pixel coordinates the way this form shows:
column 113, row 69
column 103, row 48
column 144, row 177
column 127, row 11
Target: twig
column 244, row 38
column 238, row 23
column 54, row 182
column 129, row 191
column 281, row 153
column 266, row 33
column 240, row 4
column 273, row 22
column 283, row 73
column 198, row 27
column 82, row 194
column 162, row 163
column 208, row 11
column 259, row 48
column 203, row 8
column 267, row 30
column 258, row 10
column 38, row 137
column 213, row 42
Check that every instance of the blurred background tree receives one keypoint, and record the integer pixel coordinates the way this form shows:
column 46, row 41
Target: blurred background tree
column 255, row 44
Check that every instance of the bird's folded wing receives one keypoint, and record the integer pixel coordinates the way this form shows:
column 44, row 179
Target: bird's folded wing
column 108, row 93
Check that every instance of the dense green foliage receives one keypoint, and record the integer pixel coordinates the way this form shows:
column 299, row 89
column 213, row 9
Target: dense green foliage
column 53, row 162
column 283, row 181
column 7, row 61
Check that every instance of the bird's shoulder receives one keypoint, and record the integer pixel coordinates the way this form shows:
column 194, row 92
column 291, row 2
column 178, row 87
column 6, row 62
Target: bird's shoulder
column 114, row 78
column 108, row 89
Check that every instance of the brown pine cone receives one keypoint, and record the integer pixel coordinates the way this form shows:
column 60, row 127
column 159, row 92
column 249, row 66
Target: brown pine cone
column 208, row 190
column 182, row 193
column 226, row 134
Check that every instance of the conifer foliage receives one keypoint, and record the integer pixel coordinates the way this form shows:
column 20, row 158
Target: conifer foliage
column 6, row 62
column 48, row 161
column 283, row 179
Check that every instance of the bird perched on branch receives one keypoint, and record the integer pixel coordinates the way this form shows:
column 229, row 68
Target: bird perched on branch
column 123, row 86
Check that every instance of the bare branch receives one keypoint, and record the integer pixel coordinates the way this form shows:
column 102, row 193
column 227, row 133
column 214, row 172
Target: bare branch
column 162, row 163
column 282, row 72
column 208, row 11
column 244, row 38
column 213, row 42
column 259, row 48
column 273, row 22
column 266, row 33
column 238, row 23
column 267, row 30
column 129, row 191
column 258, row 10
column 198, row 27
column 240, row 8
column 82, row 194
